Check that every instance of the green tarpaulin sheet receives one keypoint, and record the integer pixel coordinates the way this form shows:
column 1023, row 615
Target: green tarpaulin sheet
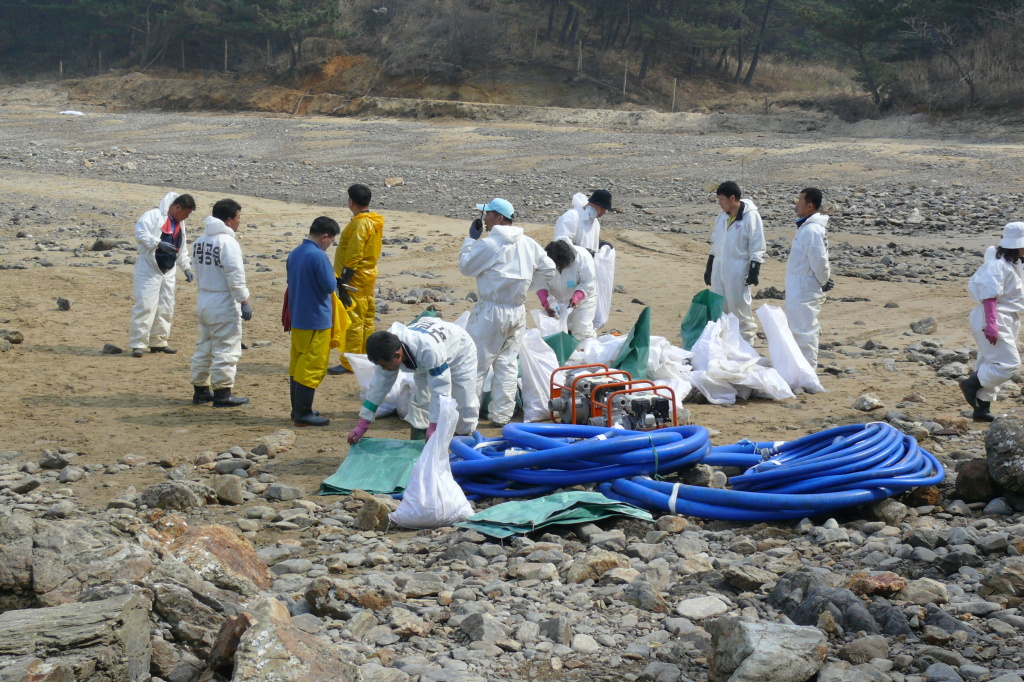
column 563, row 344
column 519, row 517
column 705, row 307
column 376, row 465
column 635, row 352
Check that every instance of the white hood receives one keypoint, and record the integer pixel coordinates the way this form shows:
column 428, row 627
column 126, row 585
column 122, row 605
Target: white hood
column 165, row 204
column 216, row 226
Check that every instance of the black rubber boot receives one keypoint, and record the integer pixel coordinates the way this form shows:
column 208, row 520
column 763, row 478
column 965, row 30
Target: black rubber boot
column 970, row 387
column 222, row 398
column 338, row 370
column 417, row 434
column 303, row 413
column 201, row 395
column 163, row 349
column 982, row 412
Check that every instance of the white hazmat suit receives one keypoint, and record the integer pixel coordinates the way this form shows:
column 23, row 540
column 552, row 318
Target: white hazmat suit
column 443, row 360
column 1001, row 280
column 581, row 275
column 504, row 263
column 807, row 271
column 734, row 247
column 154, row 288
column 220, row 276
column 580, row 225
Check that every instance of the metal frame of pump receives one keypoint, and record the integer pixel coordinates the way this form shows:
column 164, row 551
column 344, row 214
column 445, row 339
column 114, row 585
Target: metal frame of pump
column 568, row 392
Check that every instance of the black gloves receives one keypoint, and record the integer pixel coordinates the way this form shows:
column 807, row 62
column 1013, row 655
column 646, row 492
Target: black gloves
column 343, row 287
column 476, row 228
column 166, row 247
column 707, row 270
column 246, row 311
column 828, row 285
column 753, row 273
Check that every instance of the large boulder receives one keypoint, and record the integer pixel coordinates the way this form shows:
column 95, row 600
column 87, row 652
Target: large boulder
column 1004, row 451
column 761, row 651
column 272, row 649
column 974, row 483
column 223, row 557
column 99, row 640
column 808, row 599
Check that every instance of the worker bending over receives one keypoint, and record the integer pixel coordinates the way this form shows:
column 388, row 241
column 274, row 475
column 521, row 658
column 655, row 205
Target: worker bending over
column 443, row 360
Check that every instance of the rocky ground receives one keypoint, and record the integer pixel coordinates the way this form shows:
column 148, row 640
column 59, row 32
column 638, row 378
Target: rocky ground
column 123, row 505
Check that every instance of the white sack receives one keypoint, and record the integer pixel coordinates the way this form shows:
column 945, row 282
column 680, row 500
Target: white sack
column 725, row 366
column 536, row 361
column 604, row 262
column 433, row 499
column 398, row 399
column 601, row 350
column 550, row 326
column 785, row 354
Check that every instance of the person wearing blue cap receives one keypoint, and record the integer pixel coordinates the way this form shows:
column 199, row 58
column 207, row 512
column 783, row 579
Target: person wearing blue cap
column 504, row 261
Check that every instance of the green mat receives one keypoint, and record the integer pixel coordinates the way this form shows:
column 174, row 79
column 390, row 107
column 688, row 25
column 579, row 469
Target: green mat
column 637, row 349
column 519, row 517
column 376, row 465
column 705, row 307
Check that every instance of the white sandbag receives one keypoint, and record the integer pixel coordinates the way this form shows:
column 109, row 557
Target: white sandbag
column 602, row 350
column 462, row 320
column 550, row 326
column 717, row 392
column 536, row 361
column 726, row 367
column 398, row 399
column 785, row 354
column 604, row 263
column 433, row 499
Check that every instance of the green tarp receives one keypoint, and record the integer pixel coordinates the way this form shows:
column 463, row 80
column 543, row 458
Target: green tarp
column 519, row 517
column 563, row 344
column 705, row 307
column 376, row 465
column 635, row 352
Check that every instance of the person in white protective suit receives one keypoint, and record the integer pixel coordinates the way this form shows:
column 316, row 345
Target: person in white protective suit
column 581, row 224
column 160, row 238
column 737, row 251
column 574, row 286
column 443, row 360
column 998, row 289
column 504, row 262
column 222, row 305
column 807, row 273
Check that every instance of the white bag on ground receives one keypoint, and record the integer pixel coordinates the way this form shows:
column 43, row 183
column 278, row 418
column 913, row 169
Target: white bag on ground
column 785, row 354
column 604, row 263
column 726, row 367
column 433, row 499
column 536, row 361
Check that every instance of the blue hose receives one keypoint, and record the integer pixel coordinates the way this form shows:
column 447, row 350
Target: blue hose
column 816, row 474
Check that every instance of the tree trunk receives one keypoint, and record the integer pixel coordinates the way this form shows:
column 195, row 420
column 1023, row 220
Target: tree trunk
column 563, row 35
column 760, row 41
column 575, row 30
column 551, row 19
column 649, row 50
column 876, row 96
column 739, row 59
column 720, row 67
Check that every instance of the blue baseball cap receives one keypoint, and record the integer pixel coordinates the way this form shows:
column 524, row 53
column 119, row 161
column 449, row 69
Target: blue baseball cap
column 498, row 206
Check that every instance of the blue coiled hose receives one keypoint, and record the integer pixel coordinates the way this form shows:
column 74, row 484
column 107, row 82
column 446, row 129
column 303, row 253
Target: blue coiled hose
column 535, row 459
column 840, row 467
column 837, row 468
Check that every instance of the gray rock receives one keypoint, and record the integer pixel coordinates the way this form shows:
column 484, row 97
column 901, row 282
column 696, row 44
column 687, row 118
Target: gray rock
column 926, row 326
column 805, row 597
column 998, row 507
column 660, row 671
column 228, row 489
column 867, row 402
column 52, row 459
column 1004, row 451
column 171, row 495
column 700, row 608
column 61, row 510
column 481, row 627
column 642, row 595
column 70, row 474
column 63, row 303
column 584, row 644
column 557, row 629
column 280, row 491
column 940, row 672
column 761, row 651
column 890, row 511
column 24, row 485
column 112, row 349
column 863, row 649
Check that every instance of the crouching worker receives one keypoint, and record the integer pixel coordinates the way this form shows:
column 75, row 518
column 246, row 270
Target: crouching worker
column 998, row 290
column 443, row 360
column 574, row 286
column 311, row 283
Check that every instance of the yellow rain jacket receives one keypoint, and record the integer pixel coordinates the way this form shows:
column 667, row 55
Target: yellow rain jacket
column 359, row 250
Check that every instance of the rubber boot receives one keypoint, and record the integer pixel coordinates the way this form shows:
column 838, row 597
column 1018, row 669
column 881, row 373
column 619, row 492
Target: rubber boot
column 417, row 434
column 201, row 394
column 304, row 414
column 338, row 370
column 970, row 387
column 982, row 412
column 222, row 398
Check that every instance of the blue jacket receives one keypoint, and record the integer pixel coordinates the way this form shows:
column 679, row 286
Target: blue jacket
column 310, row 285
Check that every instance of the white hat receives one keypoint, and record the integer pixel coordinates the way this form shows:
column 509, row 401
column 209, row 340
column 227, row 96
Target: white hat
column 1013, row 236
